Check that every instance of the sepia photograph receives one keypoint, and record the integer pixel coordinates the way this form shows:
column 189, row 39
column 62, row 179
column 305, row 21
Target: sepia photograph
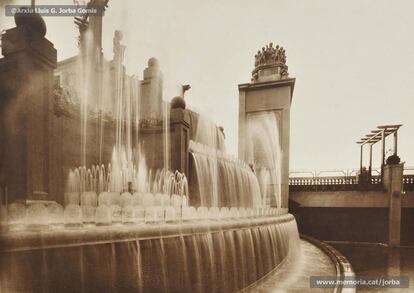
column 206, row 146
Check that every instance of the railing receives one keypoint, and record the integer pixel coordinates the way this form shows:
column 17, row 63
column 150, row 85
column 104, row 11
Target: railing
column 344, row 181
column 331, row 183
column 322, row 180
column 408, row 182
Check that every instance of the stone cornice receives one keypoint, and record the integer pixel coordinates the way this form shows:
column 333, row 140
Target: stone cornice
column 269, row 84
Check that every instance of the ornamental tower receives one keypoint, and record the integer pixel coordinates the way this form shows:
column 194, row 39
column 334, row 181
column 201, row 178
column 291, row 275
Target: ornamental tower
column 264, row 122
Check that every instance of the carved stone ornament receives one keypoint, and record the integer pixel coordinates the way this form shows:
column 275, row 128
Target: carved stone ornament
column 270, row 57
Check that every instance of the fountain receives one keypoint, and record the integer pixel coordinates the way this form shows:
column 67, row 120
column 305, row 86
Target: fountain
column 152, row 202
column 223, row 180
column 264, row 151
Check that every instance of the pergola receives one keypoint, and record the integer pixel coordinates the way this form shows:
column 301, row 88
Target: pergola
column 378, row 135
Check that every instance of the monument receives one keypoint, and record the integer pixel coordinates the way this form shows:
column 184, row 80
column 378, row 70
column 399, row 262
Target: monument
column 264, row 106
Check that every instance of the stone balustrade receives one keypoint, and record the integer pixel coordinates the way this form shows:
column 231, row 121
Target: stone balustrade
column 408, row 181
column 332, row 183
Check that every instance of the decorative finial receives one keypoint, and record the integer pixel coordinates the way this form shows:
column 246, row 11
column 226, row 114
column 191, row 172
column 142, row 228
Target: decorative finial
column 185, row 87
column 118, row 48
column 269, row 57
column 32, row 20
column 178, row 103
column 153, row 62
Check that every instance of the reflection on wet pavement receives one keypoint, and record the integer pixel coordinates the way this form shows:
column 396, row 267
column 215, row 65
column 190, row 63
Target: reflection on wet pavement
column 377, row 260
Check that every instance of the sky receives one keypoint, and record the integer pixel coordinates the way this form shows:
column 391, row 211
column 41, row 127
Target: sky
column 353, row 62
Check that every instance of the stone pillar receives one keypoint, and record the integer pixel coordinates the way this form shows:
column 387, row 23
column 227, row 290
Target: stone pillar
column 151, row 91
column 393, row 183
column 270, row 90
column 179, row 136
column 26, row 93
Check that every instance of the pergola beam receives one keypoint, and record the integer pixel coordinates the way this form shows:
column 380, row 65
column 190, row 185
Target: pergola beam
column 396, row 126
column 378, row 135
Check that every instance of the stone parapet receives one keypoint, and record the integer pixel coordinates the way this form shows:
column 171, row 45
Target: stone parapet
column 223, row 256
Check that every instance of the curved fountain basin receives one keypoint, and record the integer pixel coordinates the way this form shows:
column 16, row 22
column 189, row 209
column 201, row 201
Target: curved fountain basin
column 197, row 256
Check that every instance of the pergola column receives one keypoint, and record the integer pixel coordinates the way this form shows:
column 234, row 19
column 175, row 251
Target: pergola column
column 370, row 159
column 382, row 148
column 395, row 142
column 379, row 134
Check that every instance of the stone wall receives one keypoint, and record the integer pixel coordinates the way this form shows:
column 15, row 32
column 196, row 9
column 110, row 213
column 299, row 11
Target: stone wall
column 352, row 224
column 26, row 84
column 360, row 216
column 347, row 199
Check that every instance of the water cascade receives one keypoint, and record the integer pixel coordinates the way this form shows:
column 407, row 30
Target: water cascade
column 166, row 133
column 85, row 73
column 202, row 257
column 207, row 133
column 265, row 154
column 224, row 180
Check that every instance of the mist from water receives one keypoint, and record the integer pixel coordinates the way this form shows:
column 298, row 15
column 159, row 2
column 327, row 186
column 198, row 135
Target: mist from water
column 224, row 180
column 265, row 154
